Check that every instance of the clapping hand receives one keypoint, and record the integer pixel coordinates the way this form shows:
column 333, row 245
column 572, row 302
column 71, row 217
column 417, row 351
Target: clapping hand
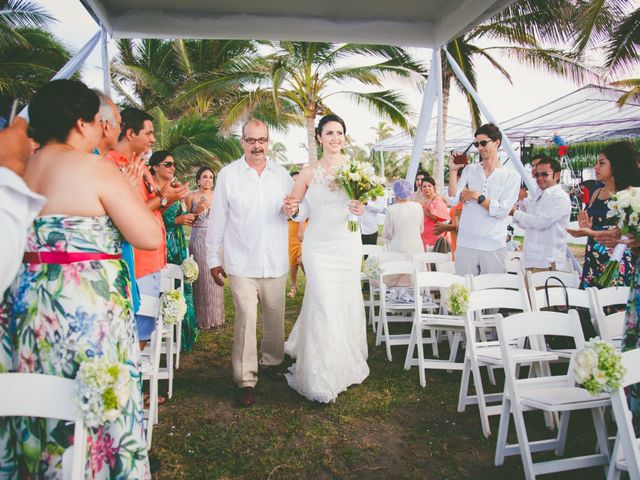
column 173, row 191
column 186, row 219
column 134, row 170
column 468, row 195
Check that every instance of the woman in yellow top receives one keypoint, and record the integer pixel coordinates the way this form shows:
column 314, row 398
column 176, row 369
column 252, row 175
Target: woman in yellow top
column 296, row 234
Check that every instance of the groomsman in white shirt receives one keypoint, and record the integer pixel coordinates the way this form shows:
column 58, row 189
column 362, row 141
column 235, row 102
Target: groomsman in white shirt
column 489, row 192
column 545, row 220
column 247, row 224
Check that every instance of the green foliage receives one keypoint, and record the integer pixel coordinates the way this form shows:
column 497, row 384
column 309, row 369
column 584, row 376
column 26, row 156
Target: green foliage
column 581, row 155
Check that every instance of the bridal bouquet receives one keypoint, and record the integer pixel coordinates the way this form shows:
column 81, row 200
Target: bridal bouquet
column 457, row 299
column 359, row 181
column 624, row 209
column 172, row 306
column 190, row 269
column 598, row 367
column 103, row 389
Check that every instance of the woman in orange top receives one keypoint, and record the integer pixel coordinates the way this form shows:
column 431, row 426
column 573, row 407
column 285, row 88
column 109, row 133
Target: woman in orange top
column 435, row 211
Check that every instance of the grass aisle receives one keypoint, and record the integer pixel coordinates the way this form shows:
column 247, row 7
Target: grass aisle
column 388, row 427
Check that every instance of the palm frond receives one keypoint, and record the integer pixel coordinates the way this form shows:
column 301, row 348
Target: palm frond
column 633, row 84
column 622, row 46
column 595, row 20
column 387, row 104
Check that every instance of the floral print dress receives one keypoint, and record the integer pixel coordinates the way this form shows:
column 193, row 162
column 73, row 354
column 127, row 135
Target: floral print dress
column 50, row 314
column 596, row 255
column 176, row 253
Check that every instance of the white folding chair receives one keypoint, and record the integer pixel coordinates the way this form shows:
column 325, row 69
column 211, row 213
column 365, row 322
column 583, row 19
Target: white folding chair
column 609, row 327
column 446, row 267
column 395, row 311
column 481, row 353
column 171, row 277
column 452, row 324
column 552, row 394
column 536, row 281
column 374, row 288
column 626, row 451
column 150, row 359
column 432, row 258
column 47, row 396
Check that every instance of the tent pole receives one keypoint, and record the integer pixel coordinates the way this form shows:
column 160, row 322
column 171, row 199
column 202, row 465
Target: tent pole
column 505, row 140
column 440, row 132
column 72, row 66
column 428, row 100
column 106, row 65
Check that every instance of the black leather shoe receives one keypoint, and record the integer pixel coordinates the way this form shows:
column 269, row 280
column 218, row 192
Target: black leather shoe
column 246, row 397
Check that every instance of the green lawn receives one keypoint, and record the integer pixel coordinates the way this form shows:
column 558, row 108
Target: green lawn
column 388, row 427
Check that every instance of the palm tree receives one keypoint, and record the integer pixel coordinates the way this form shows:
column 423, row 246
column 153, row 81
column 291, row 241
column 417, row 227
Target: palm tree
column 306, row 74
column 194, row 141
column 19, row 14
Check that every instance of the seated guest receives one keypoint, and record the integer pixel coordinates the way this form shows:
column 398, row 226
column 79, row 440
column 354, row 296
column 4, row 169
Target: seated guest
column 72, row 296
column 404, row 221
column 435, row 211
column 163, row 168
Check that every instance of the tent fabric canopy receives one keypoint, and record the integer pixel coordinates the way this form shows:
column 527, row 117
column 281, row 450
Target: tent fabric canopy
column 589, row 113
column 420, row 23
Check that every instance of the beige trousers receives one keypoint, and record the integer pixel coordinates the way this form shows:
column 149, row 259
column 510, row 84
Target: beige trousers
column 247, row 293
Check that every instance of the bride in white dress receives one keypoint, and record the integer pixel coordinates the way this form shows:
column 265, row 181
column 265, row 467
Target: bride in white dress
column 329, row 340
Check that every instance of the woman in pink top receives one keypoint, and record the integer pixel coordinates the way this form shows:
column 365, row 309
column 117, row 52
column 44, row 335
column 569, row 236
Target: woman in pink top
column 435, row 211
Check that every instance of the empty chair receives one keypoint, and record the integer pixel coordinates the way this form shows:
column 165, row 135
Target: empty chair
column 626, row 452
column 552, row 394
column 609, row 326
column 374, row 290
column 150, row 306
column 453, row 325
column 432, row 259
column 171, row 277
column 47, row 396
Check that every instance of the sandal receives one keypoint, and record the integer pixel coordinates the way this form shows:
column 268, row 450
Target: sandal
column 147, row 403
column 292, row 292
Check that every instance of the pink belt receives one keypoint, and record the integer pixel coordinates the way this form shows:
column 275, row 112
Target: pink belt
column 66, row 257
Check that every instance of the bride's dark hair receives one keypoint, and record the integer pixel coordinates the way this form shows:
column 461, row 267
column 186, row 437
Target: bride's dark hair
column 330, row 118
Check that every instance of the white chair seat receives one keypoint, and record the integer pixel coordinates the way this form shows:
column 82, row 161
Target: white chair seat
column 551, row 397
column 521, row 355
column 448, row 321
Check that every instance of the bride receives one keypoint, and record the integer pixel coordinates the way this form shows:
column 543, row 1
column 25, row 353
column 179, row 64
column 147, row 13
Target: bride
column 328, row 340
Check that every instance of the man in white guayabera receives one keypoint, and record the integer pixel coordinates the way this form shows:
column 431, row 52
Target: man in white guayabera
column 544, row 219
column 248, row 226
column 489, row 192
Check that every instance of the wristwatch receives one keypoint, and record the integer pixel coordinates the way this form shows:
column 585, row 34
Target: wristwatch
column 163, row 200
column 481, row 199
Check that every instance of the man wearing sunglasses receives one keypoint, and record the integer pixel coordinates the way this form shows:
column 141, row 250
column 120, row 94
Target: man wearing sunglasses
column 489, row 192
column 545, row 219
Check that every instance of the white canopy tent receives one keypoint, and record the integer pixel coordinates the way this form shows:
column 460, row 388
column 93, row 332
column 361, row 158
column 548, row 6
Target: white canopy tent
column 421, row 23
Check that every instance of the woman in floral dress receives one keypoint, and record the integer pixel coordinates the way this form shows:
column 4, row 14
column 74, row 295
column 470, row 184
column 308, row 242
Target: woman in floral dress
column 163, row 167
column 71, row 298
column 617, row 171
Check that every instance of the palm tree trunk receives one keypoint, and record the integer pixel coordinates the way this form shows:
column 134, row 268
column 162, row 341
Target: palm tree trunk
column 446, row 92
column 311, row 138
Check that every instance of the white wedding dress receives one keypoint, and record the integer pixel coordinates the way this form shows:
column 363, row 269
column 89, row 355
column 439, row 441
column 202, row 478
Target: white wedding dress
column 329, row 340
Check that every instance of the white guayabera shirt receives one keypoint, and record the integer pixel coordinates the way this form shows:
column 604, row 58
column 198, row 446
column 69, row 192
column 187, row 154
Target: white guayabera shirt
column 18, row 208
column 246, row 221
column 544, row 223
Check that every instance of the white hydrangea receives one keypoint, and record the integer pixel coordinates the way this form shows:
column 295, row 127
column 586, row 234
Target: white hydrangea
column 172, row 306
column 190, row 269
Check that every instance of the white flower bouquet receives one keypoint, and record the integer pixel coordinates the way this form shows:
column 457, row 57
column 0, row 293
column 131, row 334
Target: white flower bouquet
column 457, row 299
column 359, row 181
column 598, row 367
column 372, row 267
column 103, row 390
column 190, row 269
column 624, row 209
column 172, row 306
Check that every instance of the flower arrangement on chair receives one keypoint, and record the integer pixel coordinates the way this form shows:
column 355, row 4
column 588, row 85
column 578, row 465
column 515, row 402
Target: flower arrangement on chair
column 190, row 269
column 457, row 299
column 359, row 181
column 103, row 389
column 598, row 367
column 172, row 306
column 371, row 268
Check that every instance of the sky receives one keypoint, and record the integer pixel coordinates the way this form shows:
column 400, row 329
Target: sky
column 528, row 89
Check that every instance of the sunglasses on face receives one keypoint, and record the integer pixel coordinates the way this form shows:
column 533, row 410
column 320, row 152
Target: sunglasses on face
column 482, row 143
column 542, row 174
column 168, row 164
column 252, row 141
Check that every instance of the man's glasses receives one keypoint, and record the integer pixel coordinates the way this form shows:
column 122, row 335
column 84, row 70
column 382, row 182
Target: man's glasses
column 482, row 143
column 261, row 140
column 542, row 174
column 168, row 164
